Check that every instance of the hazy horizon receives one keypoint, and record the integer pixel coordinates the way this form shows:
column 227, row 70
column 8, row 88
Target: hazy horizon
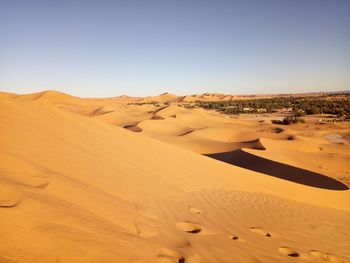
column 183, row 94
column 139, row 48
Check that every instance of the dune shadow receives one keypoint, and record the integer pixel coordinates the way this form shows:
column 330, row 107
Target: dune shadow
column 156, row 117
column 186, row 132
column 99, row 111
column 133, row 127
column 283, row 171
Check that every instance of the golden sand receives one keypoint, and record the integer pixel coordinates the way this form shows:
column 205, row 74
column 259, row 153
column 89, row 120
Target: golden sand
column 172, row 186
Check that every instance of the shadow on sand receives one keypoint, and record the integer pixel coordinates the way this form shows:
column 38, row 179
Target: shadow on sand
column 133, row 127
column 283, row 171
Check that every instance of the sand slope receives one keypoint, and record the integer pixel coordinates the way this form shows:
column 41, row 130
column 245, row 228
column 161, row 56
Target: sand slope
column 78, row 188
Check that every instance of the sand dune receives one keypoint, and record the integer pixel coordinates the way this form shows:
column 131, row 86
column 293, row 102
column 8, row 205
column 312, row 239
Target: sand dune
column 207, row 132
column 163, row 98
column 75, row 186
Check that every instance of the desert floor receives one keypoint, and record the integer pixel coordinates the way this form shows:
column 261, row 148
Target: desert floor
column 103, row 180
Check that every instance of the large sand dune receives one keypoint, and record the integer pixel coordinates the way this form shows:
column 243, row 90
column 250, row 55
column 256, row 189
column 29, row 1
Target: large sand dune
column 75, row 186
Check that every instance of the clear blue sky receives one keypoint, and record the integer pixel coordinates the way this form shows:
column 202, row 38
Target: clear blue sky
column 144, row 47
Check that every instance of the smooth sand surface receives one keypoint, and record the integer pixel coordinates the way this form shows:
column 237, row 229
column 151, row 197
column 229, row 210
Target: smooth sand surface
column 76, row 186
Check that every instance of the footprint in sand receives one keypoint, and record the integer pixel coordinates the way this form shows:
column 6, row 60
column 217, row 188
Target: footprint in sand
column 194, row 228
column 295, row 254
column 193, row 210
column 288, row 252
column 189, row 227
column 237, row 238
column 166, row 255
column 327, row 257
column 260, row 231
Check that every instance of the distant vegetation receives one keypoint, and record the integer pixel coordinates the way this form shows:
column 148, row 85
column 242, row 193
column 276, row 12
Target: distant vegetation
column 289, row 120
column 155, row 103
column 299, row 106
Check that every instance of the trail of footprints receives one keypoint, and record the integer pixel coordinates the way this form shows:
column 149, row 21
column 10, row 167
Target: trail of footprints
column 168, row 255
